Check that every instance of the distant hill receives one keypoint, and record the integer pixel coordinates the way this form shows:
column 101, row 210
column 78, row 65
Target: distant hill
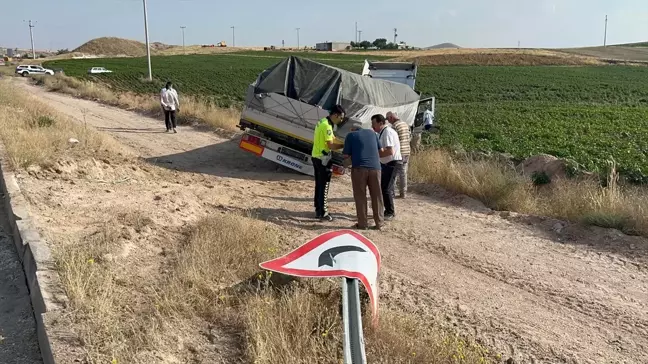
column 113, row 46
column 443, row 46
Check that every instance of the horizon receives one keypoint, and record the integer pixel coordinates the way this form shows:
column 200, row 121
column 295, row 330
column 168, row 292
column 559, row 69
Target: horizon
column 535, row 24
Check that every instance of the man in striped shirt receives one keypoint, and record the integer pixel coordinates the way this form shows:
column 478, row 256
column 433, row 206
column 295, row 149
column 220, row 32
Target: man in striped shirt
column 404, row 137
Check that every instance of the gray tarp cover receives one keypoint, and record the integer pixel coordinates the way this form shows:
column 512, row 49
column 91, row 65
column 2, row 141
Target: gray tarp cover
column 323, row 85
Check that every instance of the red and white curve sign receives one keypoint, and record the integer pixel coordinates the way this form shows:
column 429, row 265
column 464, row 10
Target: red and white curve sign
column 341, row 253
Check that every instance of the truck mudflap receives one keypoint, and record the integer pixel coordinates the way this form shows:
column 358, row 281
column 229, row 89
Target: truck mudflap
column 282, row 155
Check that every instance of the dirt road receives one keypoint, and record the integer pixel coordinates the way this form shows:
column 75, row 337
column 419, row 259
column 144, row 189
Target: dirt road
column 536, row 290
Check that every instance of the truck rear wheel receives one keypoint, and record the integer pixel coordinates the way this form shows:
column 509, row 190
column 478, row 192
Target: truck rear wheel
column 25, row 74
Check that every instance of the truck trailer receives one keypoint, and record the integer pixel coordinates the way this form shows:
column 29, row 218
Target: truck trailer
column 286, row 101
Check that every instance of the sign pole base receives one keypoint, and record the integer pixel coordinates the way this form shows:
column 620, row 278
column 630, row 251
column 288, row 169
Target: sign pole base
column 354, row 349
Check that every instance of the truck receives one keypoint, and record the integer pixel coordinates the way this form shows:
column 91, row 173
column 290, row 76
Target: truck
column 286, row 101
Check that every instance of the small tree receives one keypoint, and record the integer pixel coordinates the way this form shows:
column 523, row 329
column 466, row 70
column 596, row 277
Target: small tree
column 365, row 44
column 380, row 43
column 62, row 51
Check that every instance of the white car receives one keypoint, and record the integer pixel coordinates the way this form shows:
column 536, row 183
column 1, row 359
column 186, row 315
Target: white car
column 98, row 70
column 26, row 70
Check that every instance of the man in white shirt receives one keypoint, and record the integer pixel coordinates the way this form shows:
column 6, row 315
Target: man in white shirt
column 170, row 105
column 390, row 161
column 428, row 123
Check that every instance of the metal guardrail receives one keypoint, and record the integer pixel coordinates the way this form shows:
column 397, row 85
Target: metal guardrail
column 354, row 348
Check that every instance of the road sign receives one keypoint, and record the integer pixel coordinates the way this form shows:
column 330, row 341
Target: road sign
column 341, row 253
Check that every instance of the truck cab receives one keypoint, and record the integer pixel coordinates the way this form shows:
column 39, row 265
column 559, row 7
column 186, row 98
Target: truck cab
column 405, row 73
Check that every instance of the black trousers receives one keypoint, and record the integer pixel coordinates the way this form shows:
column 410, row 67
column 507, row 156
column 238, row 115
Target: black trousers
column 387, row 182
column 322, row 181
column 170, row 119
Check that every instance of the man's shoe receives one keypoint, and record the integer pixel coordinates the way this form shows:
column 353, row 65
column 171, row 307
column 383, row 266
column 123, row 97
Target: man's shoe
column 174, row 130
column 389, row 217
column 357, row 227
column 326, row 217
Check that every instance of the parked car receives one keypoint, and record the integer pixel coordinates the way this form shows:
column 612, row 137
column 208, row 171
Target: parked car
column 26, row 70
column 98, row 70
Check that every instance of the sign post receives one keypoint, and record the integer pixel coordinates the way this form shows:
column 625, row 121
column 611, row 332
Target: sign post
column 346, row 254
column 354, row 350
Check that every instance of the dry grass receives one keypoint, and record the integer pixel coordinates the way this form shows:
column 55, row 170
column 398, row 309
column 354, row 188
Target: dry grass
column 219, row 252
column 500, row 187
column 303, row 325
column 34, row 134
column 7, row 70
column 192, row 110
column 215, row 277
column 112, row 325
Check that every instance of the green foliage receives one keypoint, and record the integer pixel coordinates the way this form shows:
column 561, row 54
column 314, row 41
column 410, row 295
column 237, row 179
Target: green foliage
column 588, row 114
column 43, row 121
column 540, row 178
column 220, row 78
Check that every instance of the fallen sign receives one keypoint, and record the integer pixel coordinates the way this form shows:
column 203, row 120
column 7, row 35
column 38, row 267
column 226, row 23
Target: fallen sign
column 341, row 253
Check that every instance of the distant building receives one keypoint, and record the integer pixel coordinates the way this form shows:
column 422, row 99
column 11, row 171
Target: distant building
column 10, row 53
column 332, row 46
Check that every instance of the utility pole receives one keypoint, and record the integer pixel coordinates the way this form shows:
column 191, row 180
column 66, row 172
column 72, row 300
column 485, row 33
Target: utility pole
column 356, row 32
column 31, row 36
column 395, row 35
column 359, row 35
column 148, row 48
column 605, row 36
column 183, row 42
column 518, row 44
column 298, row 37
column 233, row 37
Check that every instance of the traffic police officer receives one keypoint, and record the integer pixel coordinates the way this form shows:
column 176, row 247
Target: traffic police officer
column 323, row 143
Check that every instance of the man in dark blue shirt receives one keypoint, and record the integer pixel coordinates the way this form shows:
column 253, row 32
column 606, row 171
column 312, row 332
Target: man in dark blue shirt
column 362, row 146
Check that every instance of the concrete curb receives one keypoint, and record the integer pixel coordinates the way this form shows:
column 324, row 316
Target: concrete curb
column 45, row 288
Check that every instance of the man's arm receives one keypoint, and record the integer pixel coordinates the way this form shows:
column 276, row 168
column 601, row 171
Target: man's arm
column 175, row 99
column 333, row 145
column 330, row 140
column 162, row 99
column 347, row 147
column 386, row 152
column 388, row 149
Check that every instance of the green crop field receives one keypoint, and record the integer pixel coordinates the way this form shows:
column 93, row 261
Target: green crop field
column 591, row 114
column 223, row 77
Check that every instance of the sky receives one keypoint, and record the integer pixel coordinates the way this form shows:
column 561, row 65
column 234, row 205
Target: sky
column 467, row 23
